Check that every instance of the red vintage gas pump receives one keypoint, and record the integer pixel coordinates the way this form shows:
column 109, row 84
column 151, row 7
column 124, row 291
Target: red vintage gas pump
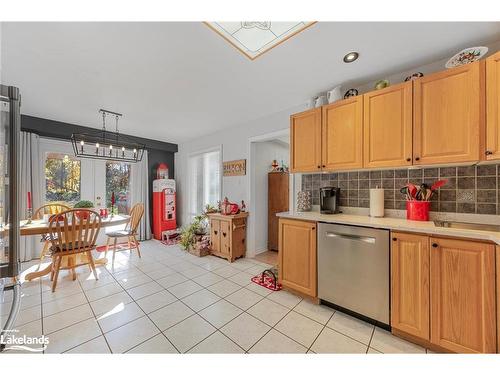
column 164, row 202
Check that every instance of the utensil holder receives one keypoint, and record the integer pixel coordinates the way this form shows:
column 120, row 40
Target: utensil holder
column 418, row 210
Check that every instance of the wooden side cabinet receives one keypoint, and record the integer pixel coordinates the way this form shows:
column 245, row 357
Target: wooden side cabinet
column 305, row 141
column 387, row 124
column 493, row 107
column 297, row 256
column 463, row 306
column 228, row 235
column 342, row 134
column 448, row 110
column 410, row 284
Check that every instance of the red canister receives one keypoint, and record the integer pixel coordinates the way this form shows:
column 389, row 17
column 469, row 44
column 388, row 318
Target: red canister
column 418, row 210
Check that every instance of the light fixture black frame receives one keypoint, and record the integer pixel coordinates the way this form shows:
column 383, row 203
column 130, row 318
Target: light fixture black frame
column 105, row 139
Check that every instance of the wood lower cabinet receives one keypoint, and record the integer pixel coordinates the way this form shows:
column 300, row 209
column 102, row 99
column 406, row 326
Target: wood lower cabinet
column 342, row 134
column 410, row 284
column 387, row 125
column 228, row 235
column 493, row 107
column 297, row 256
column 443, row 292
column 305, row 141
column 448, row 115
column 463, row 306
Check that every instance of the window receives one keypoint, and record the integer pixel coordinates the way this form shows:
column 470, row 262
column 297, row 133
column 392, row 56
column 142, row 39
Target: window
column 204, row 180
column 62, row 178
column 118, row 181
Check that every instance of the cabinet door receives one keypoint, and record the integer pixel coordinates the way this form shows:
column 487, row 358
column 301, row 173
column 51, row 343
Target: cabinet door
column 305, row 141
column 215, row 235
column 448, row 115
column 463, row 295
column 225, row 237
column 493, row 107
column 342, row 134
column 410, row 284
column 388, row 127
column 297, row 256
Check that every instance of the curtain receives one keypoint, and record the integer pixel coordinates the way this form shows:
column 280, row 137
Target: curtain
column 140, row 194
column 30, row 246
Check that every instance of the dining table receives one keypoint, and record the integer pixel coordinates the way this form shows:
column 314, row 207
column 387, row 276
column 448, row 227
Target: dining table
column 41, row 227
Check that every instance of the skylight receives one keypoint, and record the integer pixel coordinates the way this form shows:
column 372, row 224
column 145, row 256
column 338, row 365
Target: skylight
column 253, row 38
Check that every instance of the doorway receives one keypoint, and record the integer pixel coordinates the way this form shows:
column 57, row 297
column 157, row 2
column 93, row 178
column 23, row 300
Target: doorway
column 270, row 192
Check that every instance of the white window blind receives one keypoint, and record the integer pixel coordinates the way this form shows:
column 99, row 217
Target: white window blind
column 205, row 181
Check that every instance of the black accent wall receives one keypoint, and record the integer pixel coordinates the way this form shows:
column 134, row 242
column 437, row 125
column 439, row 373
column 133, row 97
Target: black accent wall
column 158, row 152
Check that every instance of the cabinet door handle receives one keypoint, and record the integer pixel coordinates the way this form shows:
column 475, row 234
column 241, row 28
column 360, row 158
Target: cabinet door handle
column 417, row 158
column 408, row 159
column 488, row 152
column 319, row 166
column 435, row 245
column 324, row 166
column 394, row 239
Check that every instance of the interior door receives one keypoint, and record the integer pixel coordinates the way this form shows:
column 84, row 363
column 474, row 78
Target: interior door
column 448, row 115
column 342, row 134
column 463, row 295
column 388, row 126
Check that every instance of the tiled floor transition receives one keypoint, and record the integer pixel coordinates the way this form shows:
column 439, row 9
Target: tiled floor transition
column 173, row 302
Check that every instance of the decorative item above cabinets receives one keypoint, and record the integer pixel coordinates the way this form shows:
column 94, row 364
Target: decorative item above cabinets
column 436, row 119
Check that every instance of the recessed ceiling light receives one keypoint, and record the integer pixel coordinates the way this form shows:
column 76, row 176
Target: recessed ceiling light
column 253, row 38
column 350, row 57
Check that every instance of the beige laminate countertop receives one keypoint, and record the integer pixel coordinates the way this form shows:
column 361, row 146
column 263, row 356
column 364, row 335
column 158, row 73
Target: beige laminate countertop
column 399, row 224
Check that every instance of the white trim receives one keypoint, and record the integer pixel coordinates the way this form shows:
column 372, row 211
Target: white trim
column 250, row 181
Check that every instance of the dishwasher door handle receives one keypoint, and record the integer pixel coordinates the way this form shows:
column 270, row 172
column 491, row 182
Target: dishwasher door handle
column 352, row 237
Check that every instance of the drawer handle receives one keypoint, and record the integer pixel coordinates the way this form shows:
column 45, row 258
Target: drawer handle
column 351, row 237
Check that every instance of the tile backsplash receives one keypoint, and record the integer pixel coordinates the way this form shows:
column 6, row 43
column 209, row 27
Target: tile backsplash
column 470, row 189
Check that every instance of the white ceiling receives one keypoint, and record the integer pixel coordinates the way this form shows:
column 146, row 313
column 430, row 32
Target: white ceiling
column 178, row 81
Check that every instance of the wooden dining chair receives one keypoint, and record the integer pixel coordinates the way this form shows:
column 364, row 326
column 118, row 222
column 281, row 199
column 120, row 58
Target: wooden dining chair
column 129, row 232
column 50, row 209
column 73, row 232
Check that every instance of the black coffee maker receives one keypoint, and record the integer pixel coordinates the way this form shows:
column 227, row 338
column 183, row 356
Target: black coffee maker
column 329, row 200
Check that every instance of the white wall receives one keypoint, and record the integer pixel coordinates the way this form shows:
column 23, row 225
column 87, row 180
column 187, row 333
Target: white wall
column 235, row 145
column 265, row 153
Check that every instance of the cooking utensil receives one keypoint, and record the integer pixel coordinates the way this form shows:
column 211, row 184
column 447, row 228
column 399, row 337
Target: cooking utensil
column 438, row 184
column 412, row 189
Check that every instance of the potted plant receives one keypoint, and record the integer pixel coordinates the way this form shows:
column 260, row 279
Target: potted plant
column 194, row 237
column 83, row 215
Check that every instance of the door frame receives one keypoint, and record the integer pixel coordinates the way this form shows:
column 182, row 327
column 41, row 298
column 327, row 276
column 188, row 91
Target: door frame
column 250, row 182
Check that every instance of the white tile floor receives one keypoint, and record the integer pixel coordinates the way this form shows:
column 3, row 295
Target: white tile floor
column 173, row 302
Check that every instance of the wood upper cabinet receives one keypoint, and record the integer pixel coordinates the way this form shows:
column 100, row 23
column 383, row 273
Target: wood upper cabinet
column 448, row 110
column 493, row 107
column 297, row 256
column 410, row 284
column 342, row 134
column 387, row 124
column 462, row 279
column 305, row 141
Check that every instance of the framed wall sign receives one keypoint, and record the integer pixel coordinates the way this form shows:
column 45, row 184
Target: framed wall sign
column 235, row 167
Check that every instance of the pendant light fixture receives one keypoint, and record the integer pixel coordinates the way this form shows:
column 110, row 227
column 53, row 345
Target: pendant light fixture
column 106, row 145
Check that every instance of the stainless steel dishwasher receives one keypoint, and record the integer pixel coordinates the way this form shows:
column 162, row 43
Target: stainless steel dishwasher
column 353, row 269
